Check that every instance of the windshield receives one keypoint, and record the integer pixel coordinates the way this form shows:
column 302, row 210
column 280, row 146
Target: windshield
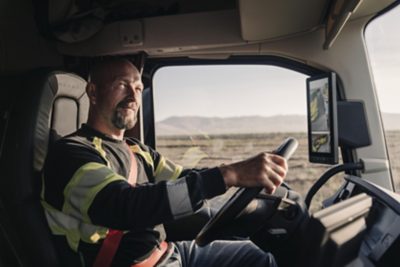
column 225, row 113
column 383, row 43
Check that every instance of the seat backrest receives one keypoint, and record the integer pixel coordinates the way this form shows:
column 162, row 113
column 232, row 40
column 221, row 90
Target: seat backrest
column 46, row 103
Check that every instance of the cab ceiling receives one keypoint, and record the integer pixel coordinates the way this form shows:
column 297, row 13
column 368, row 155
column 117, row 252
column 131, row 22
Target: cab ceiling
column 259, row 19
column 169, row 27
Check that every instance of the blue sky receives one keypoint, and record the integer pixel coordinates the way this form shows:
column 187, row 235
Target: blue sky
column 247, row 84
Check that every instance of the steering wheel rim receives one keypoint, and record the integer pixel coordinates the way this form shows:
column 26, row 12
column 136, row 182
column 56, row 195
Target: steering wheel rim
column 242, row 197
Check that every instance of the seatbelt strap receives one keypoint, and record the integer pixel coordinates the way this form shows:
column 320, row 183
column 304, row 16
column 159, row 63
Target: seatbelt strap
column 108, row 248
column 111, row 243
column 155, row 256
column 134, row 168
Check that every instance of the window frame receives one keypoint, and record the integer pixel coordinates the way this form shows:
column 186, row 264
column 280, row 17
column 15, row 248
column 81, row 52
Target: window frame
column 154, row 64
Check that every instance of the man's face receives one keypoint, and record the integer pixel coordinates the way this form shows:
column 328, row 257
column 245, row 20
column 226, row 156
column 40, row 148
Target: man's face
column 119, row 97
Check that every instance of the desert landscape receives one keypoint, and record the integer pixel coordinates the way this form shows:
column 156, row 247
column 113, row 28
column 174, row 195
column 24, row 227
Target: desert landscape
column 202, row 150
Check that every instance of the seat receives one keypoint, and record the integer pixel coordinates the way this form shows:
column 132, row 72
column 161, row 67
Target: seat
column 47, row 104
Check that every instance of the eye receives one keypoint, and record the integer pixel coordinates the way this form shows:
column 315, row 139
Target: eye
column 122, row 85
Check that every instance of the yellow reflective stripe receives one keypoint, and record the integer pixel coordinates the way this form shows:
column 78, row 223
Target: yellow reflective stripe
column 87, row 181
column 160, row 167
column 48, row 209
column 73, row 229
column 61, row 224
column 97, row 145
column 177, row 172
column 92, row 233
column 167, row 170
column 146, row 155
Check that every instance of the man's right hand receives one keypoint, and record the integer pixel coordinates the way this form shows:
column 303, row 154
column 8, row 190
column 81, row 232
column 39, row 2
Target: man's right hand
column 264, row 170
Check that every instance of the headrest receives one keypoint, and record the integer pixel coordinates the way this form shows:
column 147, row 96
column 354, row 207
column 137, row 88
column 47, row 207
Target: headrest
column 63, row 107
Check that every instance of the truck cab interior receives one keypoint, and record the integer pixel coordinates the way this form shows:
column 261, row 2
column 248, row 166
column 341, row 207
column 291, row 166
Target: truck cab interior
column 338, row 206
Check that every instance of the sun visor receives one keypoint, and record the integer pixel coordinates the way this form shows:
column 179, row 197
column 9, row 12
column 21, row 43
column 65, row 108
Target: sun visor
column 269, row 19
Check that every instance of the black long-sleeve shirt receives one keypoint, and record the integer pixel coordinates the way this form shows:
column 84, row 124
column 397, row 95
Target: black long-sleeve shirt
column 85, row 192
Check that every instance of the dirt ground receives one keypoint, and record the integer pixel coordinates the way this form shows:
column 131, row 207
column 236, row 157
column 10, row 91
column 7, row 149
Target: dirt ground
column 207, row 151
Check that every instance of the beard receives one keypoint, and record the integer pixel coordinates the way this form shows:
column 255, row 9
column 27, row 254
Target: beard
column 123, row 121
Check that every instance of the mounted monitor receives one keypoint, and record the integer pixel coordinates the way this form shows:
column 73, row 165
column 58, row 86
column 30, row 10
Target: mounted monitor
column 322, row 119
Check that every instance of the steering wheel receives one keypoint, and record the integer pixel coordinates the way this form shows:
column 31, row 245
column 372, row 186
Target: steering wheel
column 231, row 209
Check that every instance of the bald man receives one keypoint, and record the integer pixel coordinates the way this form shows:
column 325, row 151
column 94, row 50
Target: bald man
column 106, row 196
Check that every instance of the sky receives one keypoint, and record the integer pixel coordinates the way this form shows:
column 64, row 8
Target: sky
column 383, row 43
column 246, row 85
column 194, row 85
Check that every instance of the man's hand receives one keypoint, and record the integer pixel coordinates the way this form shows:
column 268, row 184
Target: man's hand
column 265, row 170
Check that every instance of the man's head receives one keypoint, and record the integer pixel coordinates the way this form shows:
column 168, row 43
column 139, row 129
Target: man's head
column 115, row 94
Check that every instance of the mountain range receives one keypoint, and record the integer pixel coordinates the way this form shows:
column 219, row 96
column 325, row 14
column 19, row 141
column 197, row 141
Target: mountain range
column 246, row 124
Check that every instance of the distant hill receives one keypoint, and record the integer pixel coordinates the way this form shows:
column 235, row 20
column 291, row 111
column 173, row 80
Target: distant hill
column 246, row 124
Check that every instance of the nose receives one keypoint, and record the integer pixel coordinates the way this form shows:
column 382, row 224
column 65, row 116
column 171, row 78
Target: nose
column 133, row 93
column 131, row 90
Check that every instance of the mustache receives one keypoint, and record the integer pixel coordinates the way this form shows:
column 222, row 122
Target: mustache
column 127, row 102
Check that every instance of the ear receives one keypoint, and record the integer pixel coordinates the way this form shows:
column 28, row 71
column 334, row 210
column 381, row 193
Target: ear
column 91, row 92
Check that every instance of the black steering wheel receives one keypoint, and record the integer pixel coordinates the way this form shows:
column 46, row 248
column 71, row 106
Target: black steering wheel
column 238, row 201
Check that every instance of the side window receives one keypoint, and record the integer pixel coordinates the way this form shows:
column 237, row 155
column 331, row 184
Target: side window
column 383, row 43
column 209, row 115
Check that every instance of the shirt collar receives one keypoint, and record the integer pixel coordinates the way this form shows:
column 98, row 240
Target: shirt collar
column 93, row 132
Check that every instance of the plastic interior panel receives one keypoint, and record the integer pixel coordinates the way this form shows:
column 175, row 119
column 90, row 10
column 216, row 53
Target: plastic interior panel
column 352, row 124
column 334, row 235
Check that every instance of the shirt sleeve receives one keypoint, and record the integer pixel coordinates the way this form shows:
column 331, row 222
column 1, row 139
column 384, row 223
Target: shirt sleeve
column 121, row 206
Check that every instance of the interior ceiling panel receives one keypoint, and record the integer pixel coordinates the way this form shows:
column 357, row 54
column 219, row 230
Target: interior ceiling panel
column 268, row 19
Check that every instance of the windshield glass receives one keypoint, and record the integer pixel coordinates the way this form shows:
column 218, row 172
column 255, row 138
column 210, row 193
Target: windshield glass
column 209, row 115
column 383, row 43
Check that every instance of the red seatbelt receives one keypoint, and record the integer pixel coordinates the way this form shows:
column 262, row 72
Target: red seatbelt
column 113, row 238
column 134, row 168
column 108, row 248
column 155, row 256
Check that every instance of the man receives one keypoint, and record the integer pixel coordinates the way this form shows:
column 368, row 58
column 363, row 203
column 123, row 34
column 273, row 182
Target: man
column 108, row 204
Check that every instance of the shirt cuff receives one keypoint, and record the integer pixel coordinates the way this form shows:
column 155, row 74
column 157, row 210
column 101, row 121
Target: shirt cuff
column 213, row 182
